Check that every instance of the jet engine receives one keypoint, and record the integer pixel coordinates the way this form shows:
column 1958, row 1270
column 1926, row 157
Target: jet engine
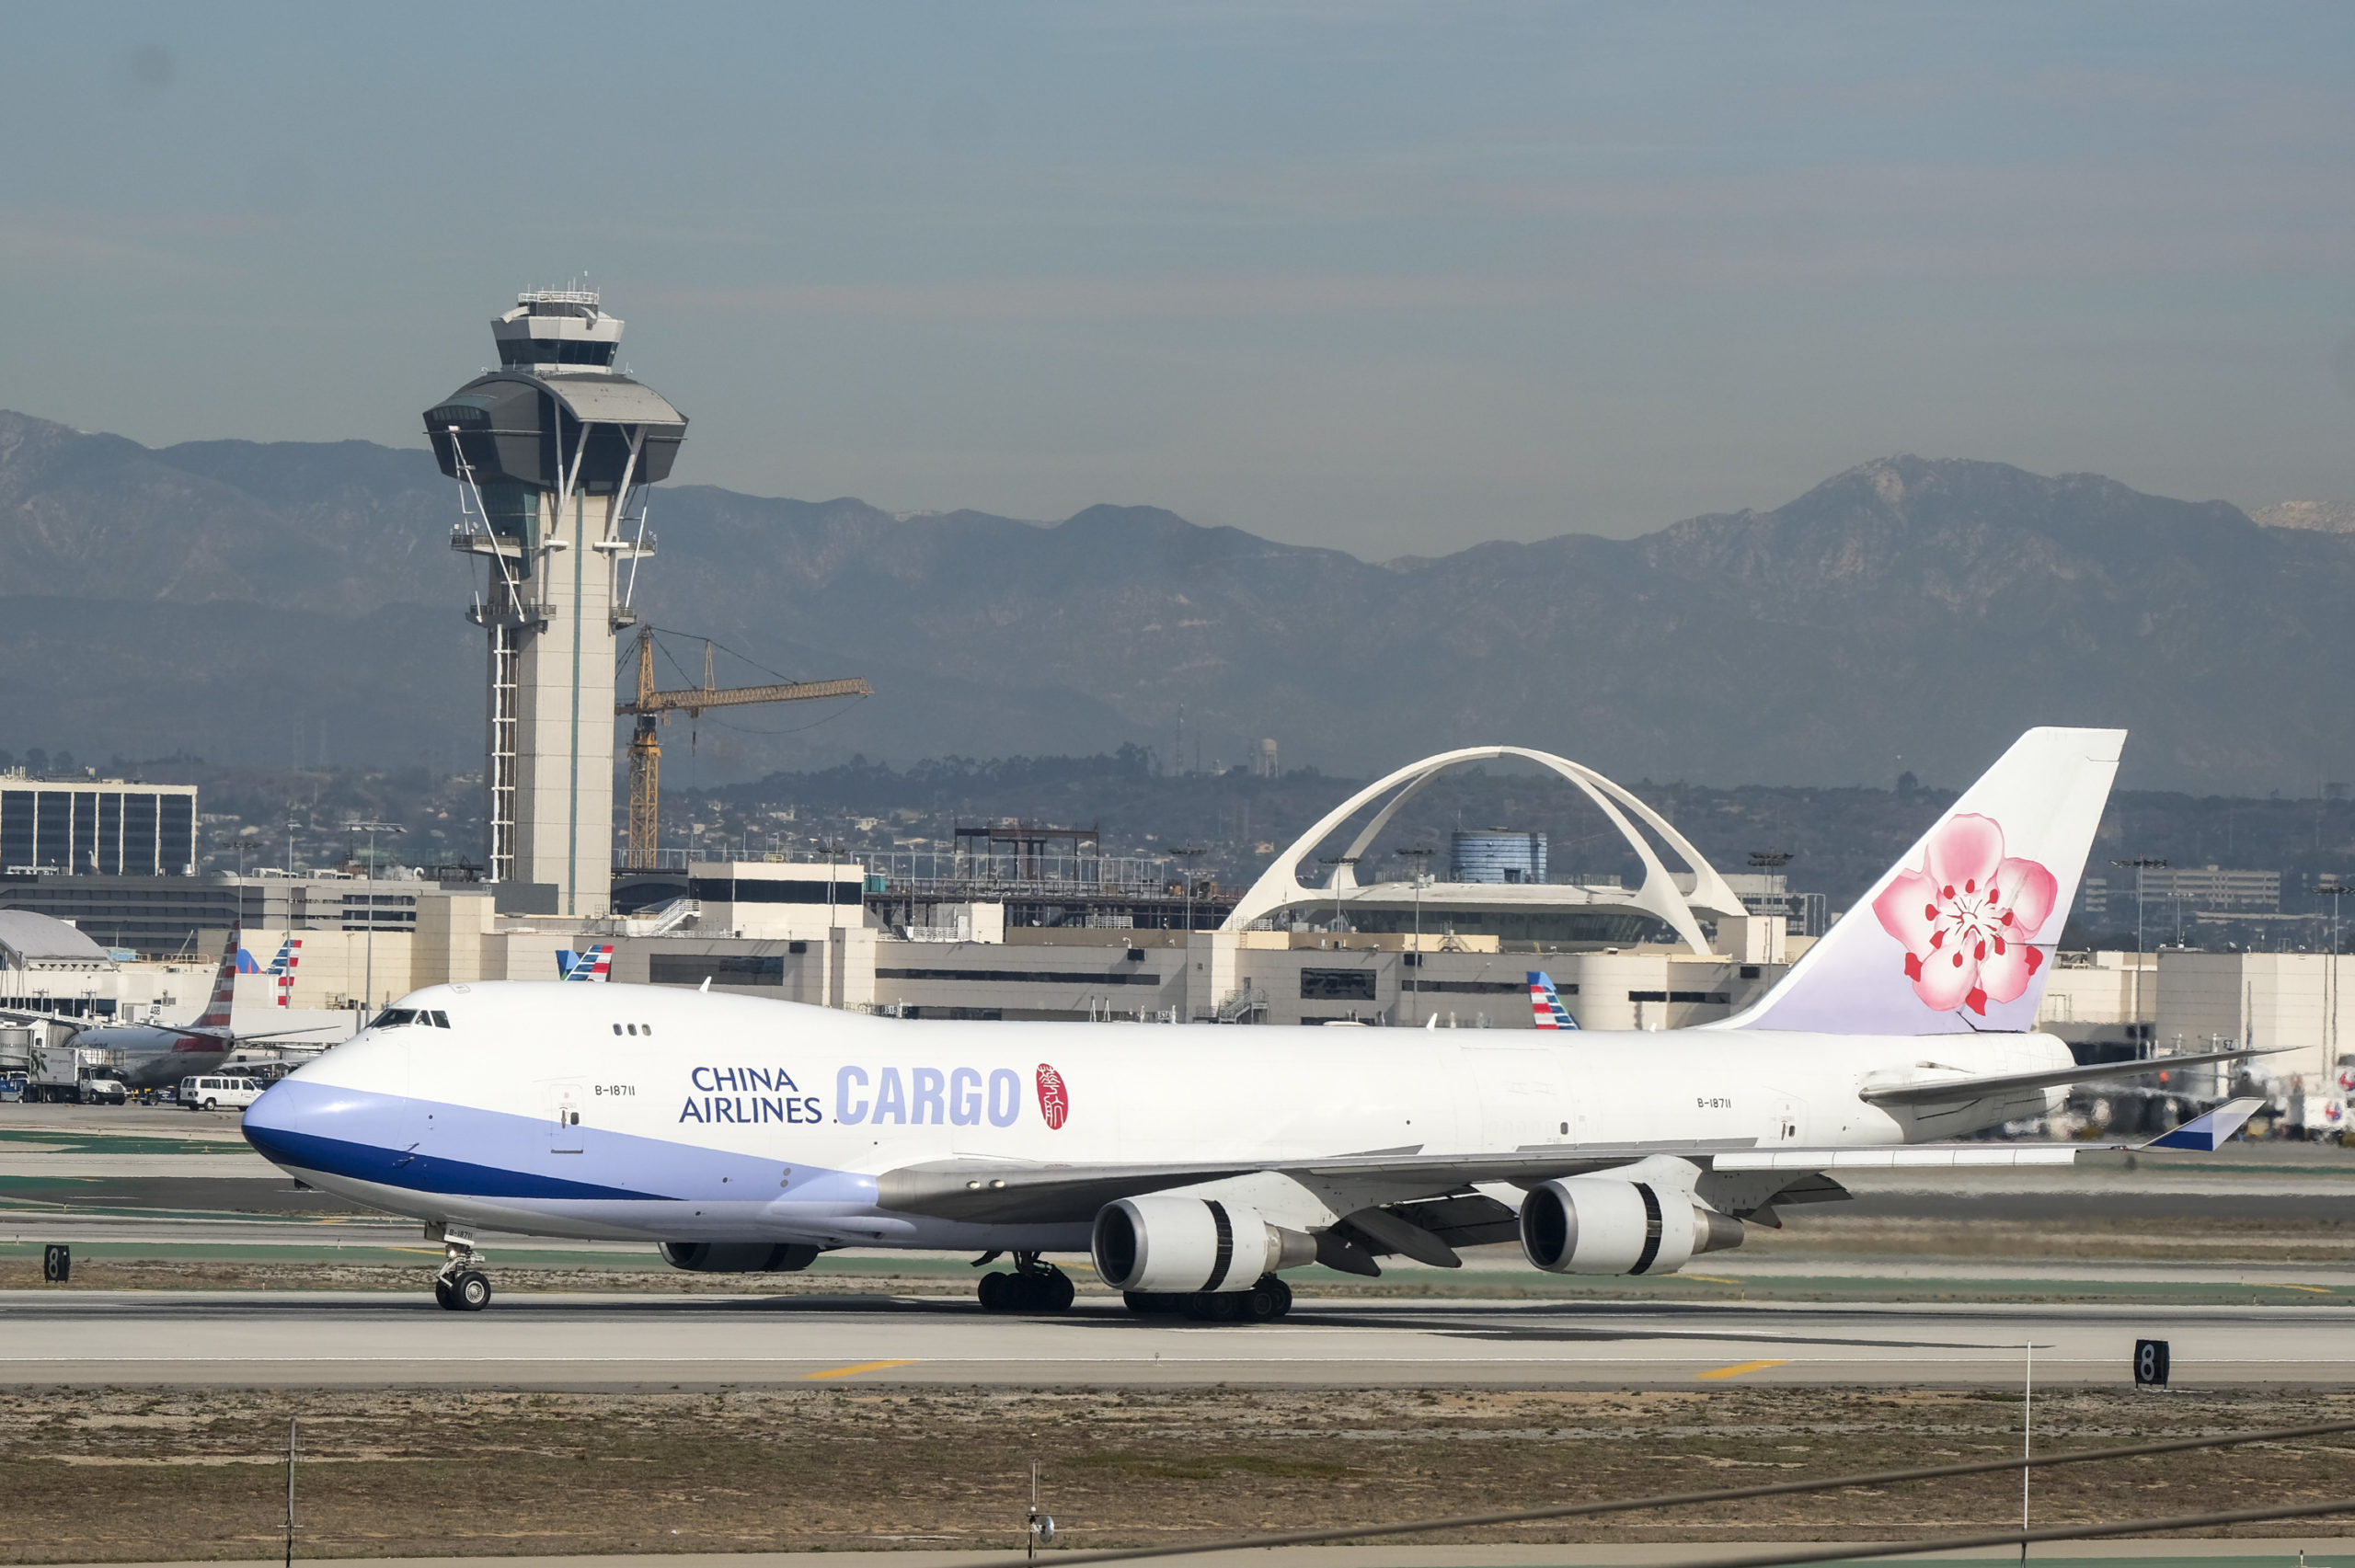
column 740, row 1257
column 1606, row 1225
column 1173, row 1245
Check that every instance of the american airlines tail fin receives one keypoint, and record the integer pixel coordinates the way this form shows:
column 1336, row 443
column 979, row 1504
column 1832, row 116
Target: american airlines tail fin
column 224, row 987
column 281, row 968
column 596, row 964
column 1546, row 1002
column 1959, row 936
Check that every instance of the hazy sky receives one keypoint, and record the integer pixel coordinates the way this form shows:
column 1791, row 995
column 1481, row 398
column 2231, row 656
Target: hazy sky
column 1387, row 278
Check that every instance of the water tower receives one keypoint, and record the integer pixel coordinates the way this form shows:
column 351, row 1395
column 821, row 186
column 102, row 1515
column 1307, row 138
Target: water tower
column 553, row 452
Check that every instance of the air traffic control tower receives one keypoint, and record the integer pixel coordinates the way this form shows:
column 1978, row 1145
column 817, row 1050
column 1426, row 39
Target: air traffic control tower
column 552, row 450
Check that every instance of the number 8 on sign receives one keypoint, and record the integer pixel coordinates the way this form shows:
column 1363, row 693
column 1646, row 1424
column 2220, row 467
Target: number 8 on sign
column 2150, row 1363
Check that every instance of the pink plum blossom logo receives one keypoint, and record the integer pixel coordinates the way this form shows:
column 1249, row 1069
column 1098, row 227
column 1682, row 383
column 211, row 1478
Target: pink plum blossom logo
column 1967, row 917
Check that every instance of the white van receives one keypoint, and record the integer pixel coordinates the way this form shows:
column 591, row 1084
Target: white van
column 218, row 1093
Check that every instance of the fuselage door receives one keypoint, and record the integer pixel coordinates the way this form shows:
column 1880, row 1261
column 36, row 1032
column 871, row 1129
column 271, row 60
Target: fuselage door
column 1521, row 1096
column 563, row 1117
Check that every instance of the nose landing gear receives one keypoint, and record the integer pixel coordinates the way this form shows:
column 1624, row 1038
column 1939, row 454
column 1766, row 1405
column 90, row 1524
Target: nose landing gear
column 460, row 1287
column 1033, row 1286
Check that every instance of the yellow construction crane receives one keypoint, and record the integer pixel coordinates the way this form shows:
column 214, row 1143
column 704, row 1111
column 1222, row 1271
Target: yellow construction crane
column 652, row 707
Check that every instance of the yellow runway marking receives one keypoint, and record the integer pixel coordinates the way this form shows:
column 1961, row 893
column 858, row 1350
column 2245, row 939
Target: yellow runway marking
column 854, row 1371
column 2317, row 1289
column 1710, row 1278
column 1739, row 1368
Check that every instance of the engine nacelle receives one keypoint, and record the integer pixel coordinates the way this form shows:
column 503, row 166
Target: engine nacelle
column 1606, row 1225
column 1180, row 1245
column 740, row 1257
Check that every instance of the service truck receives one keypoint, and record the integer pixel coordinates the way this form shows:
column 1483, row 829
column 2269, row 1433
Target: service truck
column 74, row 1074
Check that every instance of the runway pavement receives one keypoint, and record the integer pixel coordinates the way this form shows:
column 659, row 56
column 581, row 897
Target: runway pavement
column 251, row 1338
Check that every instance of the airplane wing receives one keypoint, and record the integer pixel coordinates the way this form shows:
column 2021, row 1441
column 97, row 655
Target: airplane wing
column 1001, row 1192
column 1422, row 1206
column 1953, row 1091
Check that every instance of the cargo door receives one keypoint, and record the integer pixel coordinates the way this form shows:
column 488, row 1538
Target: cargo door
column 1521, row 1098
column 564, row 1117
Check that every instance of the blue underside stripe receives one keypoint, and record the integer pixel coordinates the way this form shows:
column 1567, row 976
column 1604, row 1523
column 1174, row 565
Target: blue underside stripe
column 421, row 1173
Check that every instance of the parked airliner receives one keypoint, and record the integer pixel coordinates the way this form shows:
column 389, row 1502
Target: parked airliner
column 157, row 1056
column 1194, row 1169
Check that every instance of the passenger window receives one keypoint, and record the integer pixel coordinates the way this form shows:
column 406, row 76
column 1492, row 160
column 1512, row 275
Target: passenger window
column 633, row 1028
column 617, row 1028
column 645, row 1029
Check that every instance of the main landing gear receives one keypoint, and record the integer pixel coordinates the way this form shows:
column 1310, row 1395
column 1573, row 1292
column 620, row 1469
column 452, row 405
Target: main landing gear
column 461, row 1286
column 1033, row 1286
column 1268, row 1299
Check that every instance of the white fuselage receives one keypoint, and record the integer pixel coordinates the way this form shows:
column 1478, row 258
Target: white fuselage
column 538, row 1110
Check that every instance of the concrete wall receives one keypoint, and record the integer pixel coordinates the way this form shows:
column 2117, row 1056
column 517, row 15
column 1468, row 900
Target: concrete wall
column 2298, row 999
column 2100, row 989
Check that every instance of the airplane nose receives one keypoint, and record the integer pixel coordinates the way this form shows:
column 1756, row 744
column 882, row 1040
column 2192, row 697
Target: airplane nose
column 277, row 1123
column 272, row 1113
column 301, row 1126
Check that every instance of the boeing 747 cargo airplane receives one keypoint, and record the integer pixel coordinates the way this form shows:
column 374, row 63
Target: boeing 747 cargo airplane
column 749, row 1135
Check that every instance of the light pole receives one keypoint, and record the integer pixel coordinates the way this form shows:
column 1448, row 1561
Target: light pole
column 1419, row 856
column 1182, row 854
column 372, row 828
column 1772, row 862
column 2329, row 887
column 2139, row 865
column 1337, row 862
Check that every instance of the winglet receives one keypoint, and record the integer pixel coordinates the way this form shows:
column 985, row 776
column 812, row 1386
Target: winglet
column 2210, row 1132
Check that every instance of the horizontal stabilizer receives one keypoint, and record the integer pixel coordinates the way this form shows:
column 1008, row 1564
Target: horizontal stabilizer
column 1955, row 1090
column 2210, row 1132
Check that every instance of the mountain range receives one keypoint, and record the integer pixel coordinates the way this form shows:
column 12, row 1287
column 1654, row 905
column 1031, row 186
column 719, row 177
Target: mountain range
column 282, row 600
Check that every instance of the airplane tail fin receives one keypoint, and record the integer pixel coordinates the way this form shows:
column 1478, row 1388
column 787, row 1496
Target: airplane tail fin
column 290, row 954
column 1959, row 936
column 597, row 963
column 224, row 986
column 1546, row 1002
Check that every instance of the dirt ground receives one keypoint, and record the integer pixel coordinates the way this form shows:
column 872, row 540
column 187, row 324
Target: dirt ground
column 95, row 1475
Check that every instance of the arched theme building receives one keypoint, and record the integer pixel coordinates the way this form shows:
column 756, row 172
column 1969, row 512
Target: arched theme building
column 1514, row 909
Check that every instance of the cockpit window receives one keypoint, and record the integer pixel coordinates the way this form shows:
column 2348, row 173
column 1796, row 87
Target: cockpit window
column 399, row 1017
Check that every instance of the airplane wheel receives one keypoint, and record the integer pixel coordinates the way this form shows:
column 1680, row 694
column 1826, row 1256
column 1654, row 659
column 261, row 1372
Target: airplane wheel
column 1060, row 1292
column 1217, row 1306
column 1152, row 1303
column 1263, row 1303
column 995, row 1295
column 470, row 1292
column 442, row 1295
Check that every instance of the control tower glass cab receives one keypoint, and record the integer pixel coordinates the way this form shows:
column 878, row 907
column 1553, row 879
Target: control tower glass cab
column 553, row 452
